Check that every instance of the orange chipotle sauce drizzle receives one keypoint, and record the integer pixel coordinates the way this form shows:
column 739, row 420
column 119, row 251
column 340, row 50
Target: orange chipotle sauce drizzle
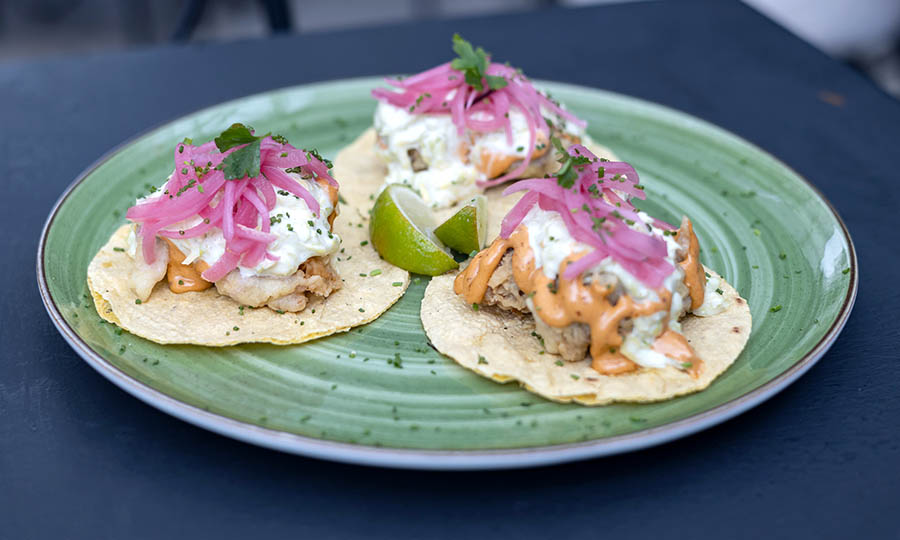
column 184, row 278
column 574, row 301
column 332, row 196
column 676, row 347
column 694, row 275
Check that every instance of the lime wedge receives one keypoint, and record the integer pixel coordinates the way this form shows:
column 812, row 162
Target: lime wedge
column 466, row 230
column 401, row 230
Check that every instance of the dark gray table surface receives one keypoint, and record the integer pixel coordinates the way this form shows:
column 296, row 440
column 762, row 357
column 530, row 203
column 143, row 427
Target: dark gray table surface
column 79, row 458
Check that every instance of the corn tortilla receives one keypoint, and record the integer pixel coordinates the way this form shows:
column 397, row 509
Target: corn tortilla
column 499, row 345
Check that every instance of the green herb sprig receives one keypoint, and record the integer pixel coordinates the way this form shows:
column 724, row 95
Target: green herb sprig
column 473, row 63
column 243, row 162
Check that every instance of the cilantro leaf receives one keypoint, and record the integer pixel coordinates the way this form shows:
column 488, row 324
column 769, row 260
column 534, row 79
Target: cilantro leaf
column 243, row 162
column 473, row 79
column 469, row 58
column 495, row 82
column 235, row 135
column 473, row 63
column 566, row 174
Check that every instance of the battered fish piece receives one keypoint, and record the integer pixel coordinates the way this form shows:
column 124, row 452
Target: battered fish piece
column 316, row 276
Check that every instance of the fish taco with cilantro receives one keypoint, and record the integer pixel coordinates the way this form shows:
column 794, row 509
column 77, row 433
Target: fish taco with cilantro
column 583, row 298
column 242, row 243
column 458, row 130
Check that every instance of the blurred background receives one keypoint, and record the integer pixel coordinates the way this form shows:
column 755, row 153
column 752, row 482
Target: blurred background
column 863, row 33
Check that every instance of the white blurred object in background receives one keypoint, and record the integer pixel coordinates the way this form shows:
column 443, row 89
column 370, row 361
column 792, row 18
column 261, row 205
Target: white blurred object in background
column 865, row 32
column 839, row 27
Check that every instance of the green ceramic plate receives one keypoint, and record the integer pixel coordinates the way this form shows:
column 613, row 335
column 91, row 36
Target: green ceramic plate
column 763, row 227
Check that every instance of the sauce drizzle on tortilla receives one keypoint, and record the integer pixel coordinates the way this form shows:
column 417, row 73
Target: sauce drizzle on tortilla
column 694, row 277
column 569, row 301
column 182, row 277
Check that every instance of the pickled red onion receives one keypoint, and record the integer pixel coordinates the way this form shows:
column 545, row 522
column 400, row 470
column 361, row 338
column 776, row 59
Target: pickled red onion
column 443, row 90
column 595, row 213
column 241, row 212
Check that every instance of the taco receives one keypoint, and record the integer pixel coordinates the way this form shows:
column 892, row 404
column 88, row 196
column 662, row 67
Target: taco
column 242, row 243
column 456, row 129
column 584, row 298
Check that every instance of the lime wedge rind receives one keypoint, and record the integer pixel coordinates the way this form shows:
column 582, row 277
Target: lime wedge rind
column 402, row 231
